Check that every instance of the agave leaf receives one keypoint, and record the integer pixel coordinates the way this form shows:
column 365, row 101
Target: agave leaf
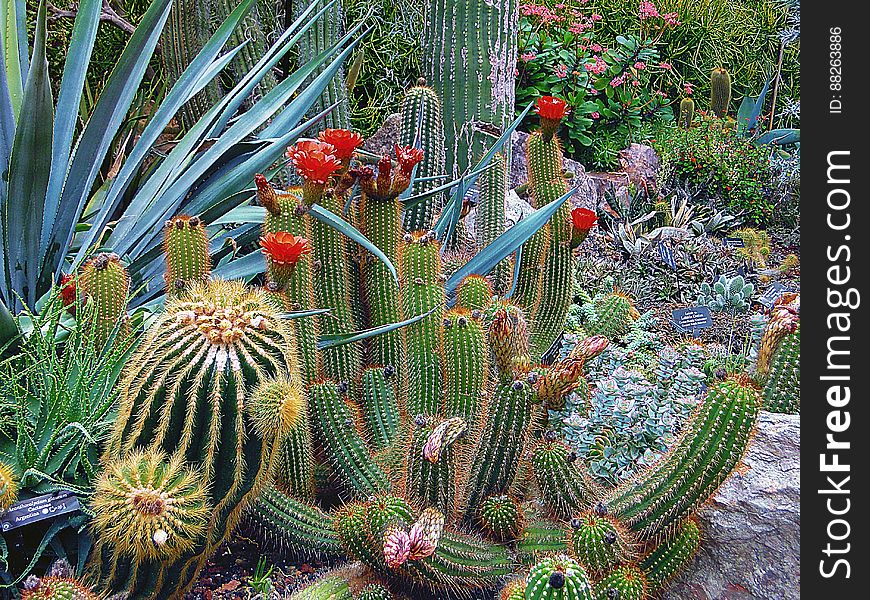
column 301, row 314
column 340, row 339
column 450, row 215
column 505, row 244
column 102, row 126
column 14, row 50
column 75, row 69
column 779, row 137
column 749, row 111
column 29, row 167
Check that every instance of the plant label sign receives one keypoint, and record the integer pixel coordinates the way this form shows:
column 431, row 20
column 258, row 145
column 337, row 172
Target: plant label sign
column 39, row 508
column 694, row 319
column 667, row 255
column 772, row 294
column 733, row 242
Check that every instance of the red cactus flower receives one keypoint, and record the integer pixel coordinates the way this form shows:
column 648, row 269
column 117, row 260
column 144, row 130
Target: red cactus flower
column 425, row 534
column 283, row 248
column 582, row 221
column 316, row 166
column 308, row 146
column 551, row 108
column 408, row 157
column 343, row 141
column 68, row 290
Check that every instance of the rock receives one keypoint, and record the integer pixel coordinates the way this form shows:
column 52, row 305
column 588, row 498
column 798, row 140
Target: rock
column 750, row 548
column 384, row 139
column 586, row 196
column 639, row 166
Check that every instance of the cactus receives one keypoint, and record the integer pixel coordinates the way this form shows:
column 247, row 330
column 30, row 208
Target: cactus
column 558, row 578
column 104, row 281
column 513, row 590
column 431, row 459
column 422, row 293
column 565, row 487
column 57, row 588
column 713, row 443
column 183, row 393
column 626, row 583
column 671, row 556
column 544, row 158
column 8, row 486
column 541, row 537
column 185, row 245
column 599, row 542
column 465, row 365
column 422, row 101
column 782, row 387
column 687, row 113
column 732, row 294
column 614, row 315
column 474, row 293
column 501, row 517
column 490, row 220
column 470, row 52
column 720, row 91
column 380, row 406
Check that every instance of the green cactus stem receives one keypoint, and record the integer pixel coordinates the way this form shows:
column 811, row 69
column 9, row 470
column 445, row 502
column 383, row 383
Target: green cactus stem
column 490, row 219
column 599, row 542
column 513, row 590
column 671, row 556
column 291, row 525
column 782, row 387
column 626, row 582
column 185, row 244
column 465, row 364
column 57, row 588
column 614, row 315
column 546, row 183
column 474, row 293
column 339, row 429
column 183, row 393
column 687, row 113
column 541, row 537
column 380, row 406
column 558, row 578
column 497, row 453
column 712, row 445
column 422, row 291
column 501, row 518
column 431, row 462
column 720, row 91
column 104, row 282
column 509, row 341
column 565, row 487
column 423, row 101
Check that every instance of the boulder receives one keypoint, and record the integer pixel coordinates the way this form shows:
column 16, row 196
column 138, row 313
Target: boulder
column 639, row 166
column 750, row 548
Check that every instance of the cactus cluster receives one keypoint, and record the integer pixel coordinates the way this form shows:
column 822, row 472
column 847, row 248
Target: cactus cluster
column 421, row 452
column 732, row 294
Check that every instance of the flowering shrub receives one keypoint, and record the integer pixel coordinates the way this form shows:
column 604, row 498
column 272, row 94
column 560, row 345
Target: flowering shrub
column 736, row 174
column 608, row 84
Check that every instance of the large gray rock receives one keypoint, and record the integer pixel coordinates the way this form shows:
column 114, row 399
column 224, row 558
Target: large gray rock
column 750, row 548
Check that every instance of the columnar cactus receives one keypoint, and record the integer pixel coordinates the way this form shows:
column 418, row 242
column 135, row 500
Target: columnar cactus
column 720, row 91
column 421, row 102
column 778, row 365
column 614, row 314
column 104, row 282
column 185, row 245
column 687, row 113
column 565, row 487
column 501, row 517
column 490, row 219
column 670, row 557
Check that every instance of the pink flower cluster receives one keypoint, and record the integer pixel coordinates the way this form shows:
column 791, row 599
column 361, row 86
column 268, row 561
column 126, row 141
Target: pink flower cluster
column 598, row 67
column 647, row 10
column 528, row 56
column 543, row 12
column 561, row 71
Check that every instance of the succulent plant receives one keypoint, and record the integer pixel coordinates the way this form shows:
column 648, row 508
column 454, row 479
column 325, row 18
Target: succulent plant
column 732, row 294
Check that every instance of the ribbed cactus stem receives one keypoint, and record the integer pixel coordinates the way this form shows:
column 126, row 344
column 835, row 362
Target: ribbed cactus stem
column 490, row 219
column 380, row 406
column 283, row 214
column 509, row 341
column 546, row 183
column 185, row 244
column 497, row 454
column 291, row 525
column 614, row 315
column 565, row 487
column 558, row 578
column 474, row 293
column 782, row 386
column 57, row 588
column 183, row 393
column 332, row 290
column 104, row 282
column 712, row 445
column 422, row 102
column 541, row 537
column 687, row 113
column 345, row 446
column 599, row 542
column 671, row 556
column 431, row 480
column 720, row 91
column 381, row 223
column 626, row 582
column 501, row 517
column 423, row 291
column 466, row 364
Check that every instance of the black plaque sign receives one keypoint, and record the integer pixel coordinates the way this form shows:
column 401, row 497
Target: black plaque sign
column 694, row 319
column 772, row 294
column 732, row 242
column 39, row 508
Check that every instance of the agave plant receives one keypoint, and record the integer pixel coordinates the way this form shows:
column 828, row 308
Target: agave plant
column 57, row 205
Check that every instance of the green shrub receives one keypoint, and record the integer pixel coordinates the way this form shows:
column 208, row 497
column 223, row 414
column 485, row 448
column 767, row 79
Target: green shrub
column 734, row 173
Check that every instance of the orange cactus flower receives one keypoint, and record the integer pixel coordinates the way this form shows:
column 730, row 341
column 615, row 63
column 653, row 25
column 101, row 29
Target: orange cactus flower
column 552, row 108
column 283, row 248
column 408, row 157
column 315, row 166
column 307, row 147
column 343, row 141
column 582, row 221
